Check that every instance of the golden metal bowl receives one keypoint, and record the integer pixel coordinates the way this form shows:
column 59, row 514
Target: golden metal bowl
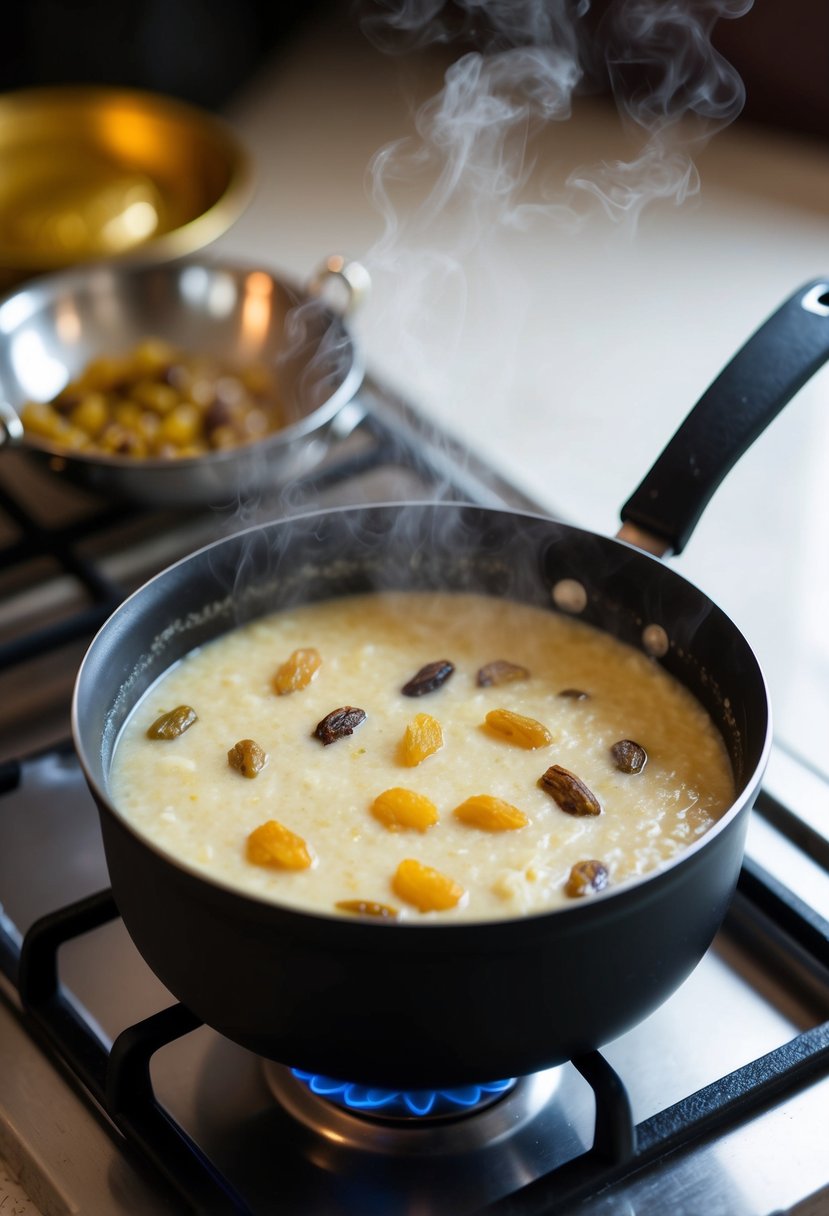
column 89, row 173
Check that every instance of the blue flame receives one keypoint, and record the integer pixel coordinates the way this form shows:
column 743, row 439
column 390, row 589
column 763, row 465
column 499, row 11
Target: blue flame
column 411, row 1102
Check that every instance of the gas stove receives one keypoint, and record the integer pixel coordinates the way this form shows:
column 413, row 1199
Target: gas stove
column 114, row 1099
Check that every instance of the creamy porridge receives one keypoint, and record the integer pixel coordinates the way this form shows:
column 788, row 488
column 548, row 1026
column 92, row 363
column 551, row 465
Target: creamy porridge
column 419, row 755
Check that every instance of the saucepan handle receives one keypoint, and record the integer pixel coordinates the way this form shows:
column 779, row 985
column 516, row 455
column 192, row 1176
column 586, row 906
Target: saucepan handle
column 746, row 396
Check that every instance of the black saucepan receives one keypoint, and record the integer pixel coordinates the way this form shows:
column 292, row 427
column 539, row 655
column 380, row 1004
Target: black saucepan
column 422, row 1004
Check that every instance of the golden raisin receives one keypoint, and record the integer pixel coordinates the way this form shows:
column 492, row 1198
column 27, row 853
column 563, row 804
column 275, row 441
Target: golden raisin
column 585, row 878
column 90, row 414
column 515, row 728
column 42, row 419
column 247, row 757
column 151, row 356
column 297, row 671
column 162, row 399
column 400, row 808
column 423, row 737
column 367, row 907
column 127, row 414
column 272, row 844
column 187, row 394
column 181, row 426
column 490, row 814
column 172, row 724
column 102, row 374
column 425, row 888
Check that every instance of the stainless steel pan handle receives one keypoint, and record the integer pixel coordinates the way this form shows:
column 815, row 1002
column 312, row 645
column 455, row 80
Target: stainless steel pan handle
column 352, row 275
column 11, row 428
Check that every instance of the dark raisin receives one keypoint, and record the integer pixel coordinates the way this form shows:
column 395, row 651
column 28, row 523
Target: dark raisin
column 585, row 878
column 569, row 792
column 629, row 757
column 339, row 723
column 128, row 444
column 65, row 402
column 217, row 414
column 429, row 678
column 172, row 724
column 574, row 694
column 500, row 671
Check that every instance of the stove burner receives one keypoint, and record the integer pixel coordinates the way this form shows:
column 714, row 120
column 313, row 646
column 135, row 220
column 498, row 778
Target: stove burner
column 396, row 1104
column 458, row 1120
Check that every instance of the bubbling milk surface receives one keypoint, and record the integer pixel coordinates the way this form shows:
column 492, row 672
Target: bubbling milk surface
column 183, row 795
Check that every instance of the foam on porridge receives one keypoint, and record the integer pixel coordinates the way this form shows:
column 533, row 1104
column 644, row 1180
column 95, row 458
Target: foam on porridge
column 184, row 795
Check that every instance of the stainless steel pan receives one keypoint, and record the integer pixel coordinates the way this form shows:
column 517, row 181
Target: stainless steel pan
column 51, row 328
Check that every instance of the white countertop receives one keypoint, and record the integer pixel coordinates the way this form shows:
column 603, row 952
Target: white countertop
column 566, row 358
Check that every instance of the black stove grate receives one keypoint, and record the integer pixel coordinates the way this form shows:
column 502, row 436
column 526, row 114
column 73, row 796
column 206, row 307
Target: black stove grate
column 118, row 1078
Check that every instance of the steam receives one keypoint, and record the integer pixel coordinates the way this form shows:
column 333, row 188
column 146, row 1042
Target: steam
column 474, row 138
column 674, row 89
column 477, row 136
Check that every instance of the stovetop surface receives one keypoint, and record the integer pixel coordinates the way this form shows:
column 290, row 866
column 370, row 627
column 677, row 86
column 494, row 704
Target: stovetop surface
column 756, row 1001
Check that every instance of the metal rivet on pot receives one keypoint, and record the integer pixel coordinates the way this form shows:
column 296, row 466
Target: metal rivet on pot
column 569, row 595
column 655, row 640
